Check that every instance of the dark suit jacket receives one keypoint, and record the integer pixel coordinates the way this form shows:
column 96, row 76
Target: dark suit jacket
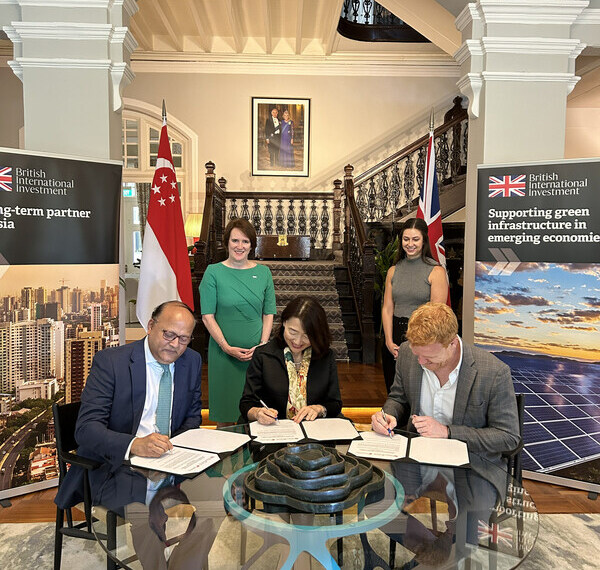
column 267, row 380
column 485, row 409
column 112, row 403
column 270, row 135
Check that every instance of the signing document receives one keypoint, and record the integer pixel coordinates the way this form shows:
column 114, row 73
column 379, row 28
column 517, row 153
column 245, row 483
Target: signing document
column 451, row 452
column 436, row 451
column 178, row 461
column 325, row 429
column 283, row 431
column 217, row 441
column 378, row 446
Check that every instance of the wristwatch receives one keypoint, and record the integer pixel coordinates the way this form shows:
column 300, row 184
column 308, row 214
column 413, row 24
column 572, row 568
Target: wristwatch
column 449, row 433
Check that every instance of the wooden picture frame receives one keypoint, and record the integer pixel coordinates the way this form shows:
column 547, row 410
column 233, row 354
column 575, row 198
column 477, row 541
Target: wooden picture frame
column 287, row 151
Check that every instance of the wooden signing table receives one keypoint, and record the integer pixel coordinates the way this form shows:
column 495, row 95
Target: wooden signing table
column 473, row 517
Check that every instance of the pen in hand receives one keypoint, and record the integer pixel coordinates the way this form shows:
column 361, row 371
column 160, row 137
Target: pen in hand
column 390, row 432
column 267, row 408
column 169, row 451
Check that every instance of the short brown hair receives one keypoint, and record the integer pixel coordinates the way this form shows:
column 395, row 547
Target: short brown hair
column 314, row 322
column 245, row 227
column 432, row 323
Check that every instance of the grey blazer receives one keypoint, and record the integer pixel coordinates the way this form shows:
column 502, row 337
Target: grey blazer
column 485, row 409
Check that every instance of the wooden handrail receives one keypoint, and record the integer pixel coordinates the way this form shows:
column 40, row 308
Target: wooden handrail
column 452, row 118
column 362, row 284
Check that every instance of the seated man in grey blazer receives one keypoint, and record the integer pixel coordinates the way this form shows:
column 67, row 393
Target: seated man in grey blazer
column 447, row 388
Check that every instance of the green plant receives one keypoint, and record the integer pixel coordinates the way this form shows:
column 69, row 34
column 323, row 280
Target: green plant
column 384, row 259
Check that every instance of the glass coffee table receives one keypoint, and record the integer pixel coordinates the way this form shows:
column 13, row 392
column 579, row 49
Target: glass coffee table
column 419, row 515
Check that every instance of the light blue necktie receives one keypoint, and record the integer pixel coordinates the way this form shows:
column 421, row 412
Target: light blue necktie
column 163, row 406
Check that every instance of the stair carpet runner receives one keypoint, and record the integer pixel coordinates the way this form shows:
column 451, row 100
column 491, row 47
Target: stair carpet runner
column 314, row 278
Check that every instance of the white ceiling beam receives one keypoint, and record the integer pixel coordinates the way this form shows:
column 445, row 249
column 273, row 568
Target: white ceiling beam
column 166, row 17
column 146, row 35
column 205, row 39
column 430, row 19
column 299, row 22
column 330, row 35
column 144, row 40
column 234, row 23
column 266, row 10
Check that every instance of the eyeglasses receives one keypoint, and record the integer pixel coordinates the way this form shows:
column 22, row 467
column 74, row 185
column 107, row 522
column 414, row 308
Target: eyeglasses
column 170, row 336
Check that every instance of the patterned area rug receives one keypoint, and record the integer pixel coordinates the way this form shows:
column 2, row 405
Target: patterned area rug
column 564, row 541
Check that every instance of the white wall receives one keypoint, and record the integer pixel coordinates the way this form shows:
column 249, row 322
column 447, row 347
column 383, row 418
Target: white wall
column 350, row 117
column 11, row 107
column 582, row 133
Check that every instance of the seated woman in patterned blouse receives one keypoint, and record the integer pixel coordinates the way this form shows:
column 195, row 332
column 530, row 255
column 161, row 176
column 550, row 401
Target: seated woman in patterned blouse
column 294, row 375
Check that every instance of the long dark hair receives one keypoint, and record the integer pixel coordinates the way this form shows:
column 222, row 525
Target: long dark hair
column 314, row 322
column 417, row 224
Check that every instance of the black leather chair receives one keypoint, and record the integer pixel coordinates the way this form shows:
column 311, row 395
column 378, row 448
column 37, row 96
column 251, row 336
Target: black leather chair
column 65, row 418
column 513, row 457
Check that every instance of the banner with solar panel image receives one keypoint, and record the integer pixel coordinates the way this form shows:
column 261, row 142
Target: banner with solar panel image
column 537, row 306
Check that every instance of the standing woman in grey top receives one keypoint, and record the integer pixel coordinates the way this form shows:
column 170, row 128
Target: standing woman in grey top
column 414, row 279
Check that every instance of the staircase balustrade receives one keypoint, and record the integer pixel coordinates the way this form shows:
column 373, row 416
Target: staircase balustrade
column 359, row 257
column 391, row 189
column 291, row 213
column 369, row 21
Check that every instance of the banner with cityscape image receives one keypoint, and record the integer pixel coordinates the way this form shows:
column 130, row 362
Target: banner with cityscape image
column 537, row 305
column 59, row 291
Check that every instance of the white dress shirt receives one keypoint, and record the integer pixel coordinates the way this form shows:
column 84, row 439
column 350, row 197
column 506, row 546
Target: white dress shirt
column 153, row 374
column 437, row 401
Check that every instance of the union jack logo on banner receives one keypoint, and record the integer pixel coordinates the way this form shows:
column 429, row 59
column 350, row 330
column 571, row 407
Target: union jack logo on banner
column 506, row 186
column 496, row 533
column 6, row 178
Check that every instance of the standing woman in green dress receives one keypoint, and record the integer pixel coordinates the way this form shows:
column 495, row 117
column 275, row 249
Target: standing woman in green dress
column 237, row 298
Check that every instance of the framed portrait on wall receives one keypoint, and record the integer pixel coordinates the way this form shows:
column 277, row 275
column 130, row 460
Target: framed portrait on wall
column 280, row 136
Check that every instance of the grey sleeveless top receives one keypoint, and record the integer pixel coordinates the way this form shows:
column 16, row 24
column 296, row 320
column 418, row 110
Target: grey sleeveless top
column 410, row 285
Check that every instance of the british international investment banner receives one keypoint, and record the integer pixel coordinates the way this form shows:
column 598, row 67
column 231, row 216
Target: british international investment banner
column 59, row 291
column 537, row 305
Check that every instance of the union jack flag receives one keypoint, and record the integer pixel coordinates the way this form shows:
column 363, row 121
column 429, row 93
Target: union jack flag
column 429, row 208
column 506, row 186
column 495, row 533
column 6, row 178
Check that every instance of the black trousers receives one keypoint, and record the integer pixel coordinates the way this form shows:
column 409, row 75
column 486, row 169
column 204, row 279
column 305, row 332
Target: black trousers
column 399, row 325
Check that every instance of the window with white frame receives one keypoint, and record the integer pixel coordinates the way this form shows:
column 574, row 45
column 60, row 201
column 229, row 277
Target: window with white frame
column 140, row 139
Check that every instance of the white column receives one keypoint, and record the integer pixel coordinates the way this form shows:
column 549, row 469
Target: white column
column 518, row 65
column 73, row 59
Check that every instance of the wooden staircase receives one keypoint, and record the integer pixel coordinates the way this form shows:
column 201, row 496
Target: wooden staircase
column 315, row 278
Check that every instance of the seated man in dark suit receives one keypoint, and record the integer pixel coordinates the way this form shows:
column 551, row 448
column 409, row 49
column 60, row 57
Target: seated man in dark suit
column 447, row 388
column 135, row 398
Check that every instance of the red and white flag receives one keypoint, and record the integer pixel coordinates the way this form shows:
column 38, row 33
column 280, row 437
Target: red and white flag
column 429, row 208
column 165, row 268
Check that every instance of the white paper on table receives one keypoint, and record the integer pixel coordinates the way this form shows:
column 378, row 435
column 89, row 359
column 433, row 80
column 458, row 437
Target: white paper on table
column 438, row 451
column 282, row 431
column 217, row 441
column 180, row 462
column 378, row 446
column 325, row 429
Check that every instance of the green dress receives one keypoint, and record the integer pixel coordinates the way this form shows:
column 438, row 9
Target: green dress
column 238, row 298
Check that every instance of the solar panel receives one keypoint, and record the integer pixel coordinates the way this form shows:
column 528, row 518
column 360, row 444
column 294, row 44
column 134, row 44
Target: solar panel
column 548, row 452
column 583, row 445
column 562, row 417
column 535, row 432
column 588, row 425
column 543, row 413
